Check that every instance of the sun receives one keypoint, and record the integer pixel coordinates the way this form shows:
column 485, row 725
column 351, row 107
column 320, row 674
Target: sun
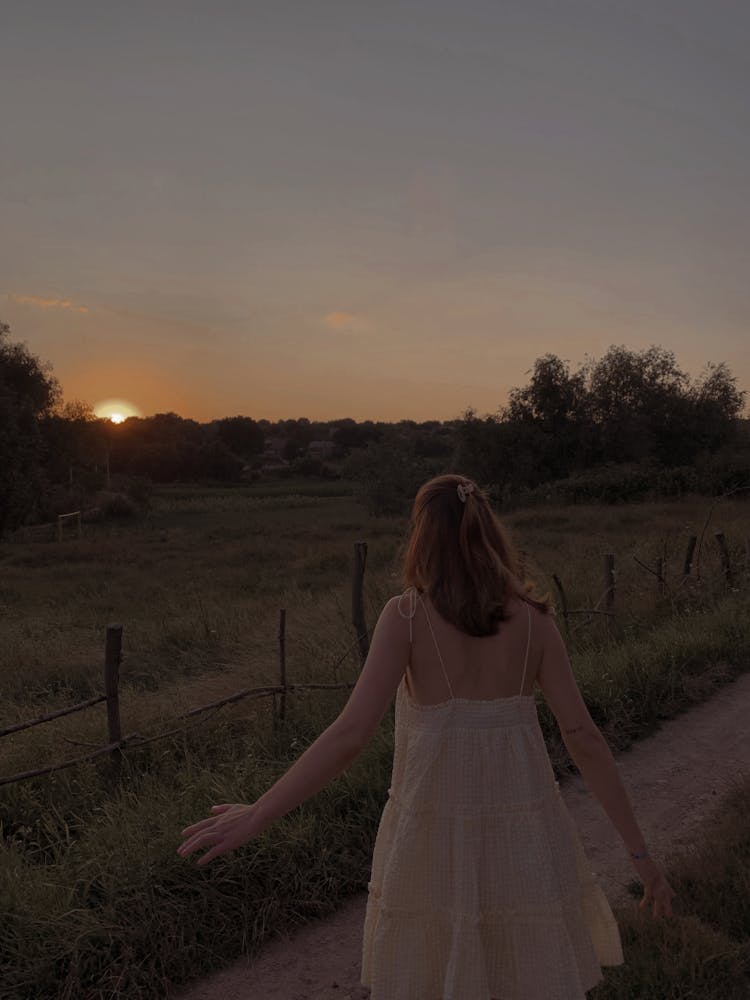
column 116, row 411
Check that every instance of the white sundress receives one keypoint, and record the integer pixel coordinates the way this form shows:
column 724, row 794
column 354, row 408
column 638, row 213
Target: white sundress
column 480, row 886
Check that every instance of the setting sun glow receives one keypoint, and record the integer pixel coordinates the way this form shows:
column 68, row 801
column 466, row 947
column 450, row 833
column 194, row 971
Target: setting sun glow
column 116, row 410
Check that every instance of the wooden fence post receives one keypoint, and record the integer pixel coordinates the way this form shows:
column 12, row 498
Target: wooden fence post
column 112, row 656
column 689, row 555
column 282, row 662
column 358, row 604
column 724, row 552
column 64, row 517
column 660, row 573
column 609, row 579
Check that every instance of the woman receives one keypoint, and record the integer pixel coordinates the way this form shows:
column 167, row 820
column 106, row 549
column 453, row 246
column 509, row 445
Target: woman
column 480, row 887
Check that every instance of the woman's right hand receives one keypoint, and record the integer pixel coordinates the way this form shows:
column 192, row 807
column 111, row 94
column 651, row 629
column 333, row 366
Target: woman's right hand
column 656, row 889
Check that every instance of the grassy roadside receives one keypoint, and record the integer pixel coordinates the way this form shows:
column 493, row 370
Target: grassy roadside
column 704, row 951
column 656, row 673
column 97, row 904
column 94, row 901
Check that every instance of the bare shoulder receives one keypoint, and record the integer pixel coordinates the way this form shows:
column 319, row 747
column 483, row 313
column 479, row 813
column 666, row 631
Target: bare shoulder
column 391, row 608
column 540, row 620
column 404, row 604
column 543, row 621
column 543, row 630
column 398, row 610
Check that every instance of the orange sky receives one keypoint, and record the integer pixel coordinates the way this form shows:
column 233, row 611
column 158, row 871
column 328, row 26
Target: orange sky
column 344, row 367
column 370, row 216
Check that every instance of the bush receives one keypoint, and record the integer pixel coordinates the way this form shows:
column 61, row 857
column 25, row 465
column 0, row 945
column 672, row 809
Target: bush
column 308, row 466
column 116, row 505
column 610, row 484
column 138, row 488
column 388, row 474
column 63, row 500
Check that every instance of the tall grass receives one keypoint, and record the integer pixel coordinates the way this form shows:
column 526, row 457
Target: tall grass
column 704, row 951
column 95, row 901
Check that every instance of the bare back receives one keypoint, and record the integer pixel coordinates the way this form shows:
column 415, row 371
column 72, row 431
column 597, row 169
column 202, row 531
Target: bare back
column 477, row 667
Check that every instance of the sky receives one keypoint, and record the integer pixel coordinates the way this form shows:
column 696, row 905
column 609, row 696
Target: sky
column 377, row 210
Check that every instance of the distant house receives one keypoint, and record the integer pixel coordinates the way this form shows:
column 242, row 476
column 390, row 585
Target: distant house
column 274, row 446
column 273, row 453
column 321, row 449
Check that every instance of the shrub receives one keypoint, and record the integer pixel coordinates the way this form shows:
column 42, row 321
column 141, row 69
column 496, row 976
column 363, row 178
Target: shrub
column 116, row 505
column 388, row 474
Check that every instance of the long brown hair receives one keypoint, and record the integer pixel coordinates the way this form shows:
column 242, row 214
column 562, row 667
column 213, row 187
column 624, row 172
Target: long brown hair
column 460, row 554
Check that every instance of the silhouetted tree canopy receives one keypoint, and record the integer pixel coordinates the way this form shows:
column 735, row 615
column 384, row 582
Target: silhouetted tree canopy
column 626, row 407
column 613, row 428
column 28, row 392
column 242, row 435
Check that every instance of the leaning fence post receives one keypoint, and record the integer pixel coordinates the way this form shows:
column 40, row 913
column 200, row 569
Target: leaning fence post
column 724, row 551
column 112, row 656
column 358, row 604
column 692, row 541
column 282, row 662
column 660, row 573
column 609, row 579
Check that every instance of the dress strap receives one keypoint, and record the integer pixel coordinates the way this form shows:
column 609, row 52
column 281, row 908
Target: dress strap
column 440, row 656
column 411, row 593
column 528, row 643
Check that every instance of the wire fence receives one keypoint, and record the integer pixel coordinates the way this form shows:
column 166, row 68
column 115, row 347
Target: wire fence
column 116, row 743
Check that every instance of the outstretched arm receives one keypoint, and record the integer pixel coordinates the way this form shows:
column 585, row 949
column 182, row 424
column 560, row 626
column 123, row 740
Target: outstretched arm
column 332, row 752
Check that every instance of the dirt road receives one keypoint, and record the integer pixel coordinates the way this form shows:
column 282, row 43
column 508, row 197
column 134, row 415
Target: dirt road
column 673, row 777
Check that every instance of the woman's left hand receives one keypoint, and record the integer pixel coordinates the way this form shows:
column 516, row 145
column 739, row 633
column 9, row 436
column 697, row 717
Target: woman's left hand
column 231, row 826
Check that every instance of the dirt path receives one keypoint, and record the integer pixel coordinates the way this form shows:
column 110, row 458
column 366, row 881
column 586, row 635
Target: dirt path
column 673, row 777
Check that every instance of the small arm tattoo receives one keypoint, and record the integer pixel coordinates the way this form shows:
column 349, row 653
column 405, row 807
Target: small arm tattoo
column 577, row 729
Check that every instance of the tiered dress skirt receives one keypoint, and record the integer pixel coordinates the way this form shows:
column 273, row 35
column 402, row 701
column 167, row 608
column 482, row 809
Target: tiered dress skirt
column 480, row 887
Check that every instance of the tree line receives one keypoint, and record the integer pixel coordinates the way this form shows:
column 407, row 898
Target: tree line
column 627, row 408
column 626, row 425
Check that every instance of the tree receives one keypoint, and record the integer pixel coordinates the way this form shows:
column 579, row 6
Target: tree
column 242, row 435
column 75, row 440
column 627, row 407
column 28, row 393
column 75, row 409
column 553, row 397
column 717, row 404
column 553, row 410
column 388, row 473
column 347, row 434
column 298, row 434
column 637, row 401
column 25, row 377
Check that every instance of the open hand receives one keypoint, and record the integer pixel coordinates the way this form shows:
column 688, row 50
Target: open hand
column 231, row 826
column 656, row 889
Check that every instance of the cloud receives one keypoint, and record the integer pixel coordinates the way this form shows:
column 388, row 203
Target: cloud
column 35, row 300
column 344, row 321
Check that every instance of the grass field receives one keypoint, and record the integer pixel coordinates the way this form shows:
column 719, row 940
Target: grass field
column 89, row 879
column 704, row 952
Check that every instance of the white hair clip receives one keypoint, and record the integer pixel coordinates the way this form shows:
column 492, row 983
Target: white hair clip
column 463, row 491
